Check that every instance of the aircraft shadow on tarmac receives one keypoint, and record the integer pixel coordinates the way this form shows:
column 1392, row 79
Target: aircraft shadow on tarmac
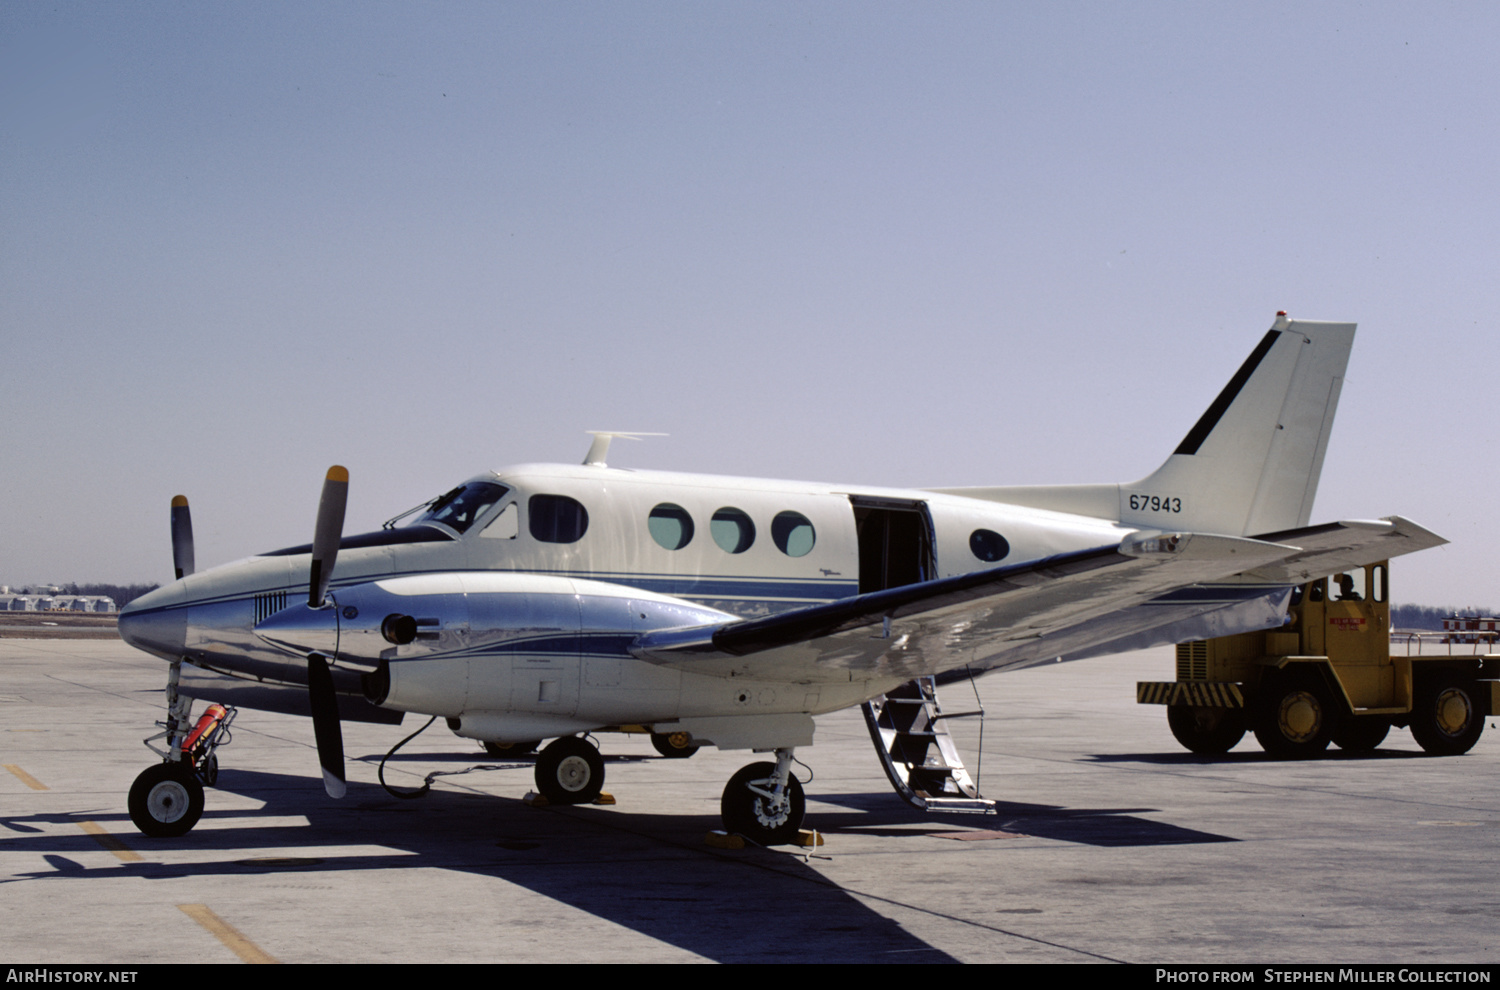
column 1086, row 826
column 755, row 905
column 647, row 873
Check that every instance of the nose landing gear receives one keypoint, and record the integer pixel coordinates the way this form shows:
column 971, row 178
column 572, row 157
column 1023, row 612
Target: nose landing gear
column 166, row 799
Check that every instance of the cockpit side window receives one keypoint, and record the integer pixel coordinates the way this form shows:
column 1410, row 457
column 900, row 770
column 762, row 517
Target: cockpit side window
column 459, row 508
column 557, row 518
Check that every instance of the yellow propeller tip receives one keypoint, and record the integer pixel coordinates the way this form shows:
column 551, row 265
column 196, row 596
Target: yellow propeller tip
column 338, row 473
column 179, row 501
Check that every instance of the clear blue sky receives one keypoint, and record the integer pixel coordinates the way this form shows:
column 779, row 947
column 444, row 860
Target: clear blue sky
column 886, row 243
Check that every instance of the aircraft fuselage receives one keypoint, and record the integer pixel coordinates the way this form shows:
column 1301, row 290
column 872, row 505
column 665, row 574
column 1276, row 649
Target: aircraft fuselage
column 545, row 587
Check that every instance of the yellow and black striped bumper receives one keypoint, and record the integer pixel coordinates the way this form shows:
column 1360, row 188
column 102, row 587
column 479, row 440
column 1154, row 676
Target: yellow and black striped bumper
column 1206, row 694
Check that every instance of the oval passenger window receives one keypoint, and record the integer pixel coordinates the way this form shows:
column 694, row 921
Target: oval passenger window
column 670, row 526
column 793, row 534
column 988, row 545
column 732, row 530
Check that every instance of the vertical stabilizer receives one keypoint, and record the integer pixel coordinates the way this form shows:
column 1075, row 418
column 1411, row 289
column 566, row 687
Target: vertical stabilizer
column 1251, row 462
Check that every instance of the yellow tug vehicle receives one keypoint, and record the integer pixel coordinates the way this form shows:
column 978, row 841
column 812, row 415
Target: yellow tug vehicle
column 1328, row 675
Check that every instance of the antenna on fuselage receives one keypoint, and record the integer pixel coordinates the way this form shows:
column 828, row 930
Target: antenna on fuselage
column 599, row 449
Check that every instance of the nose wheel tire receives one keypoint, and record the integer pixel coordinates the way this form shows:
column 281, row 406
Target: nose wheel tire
column 1446, row 719
column 569, row 771
column 166, row 800
column 755, row 816
column 674, row 745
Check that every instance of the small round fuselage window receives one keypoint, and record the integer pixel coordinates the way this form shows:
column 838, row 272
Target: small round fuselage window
column 670, row 526
column 988, row 545
column 732, row 530
column 793, row 534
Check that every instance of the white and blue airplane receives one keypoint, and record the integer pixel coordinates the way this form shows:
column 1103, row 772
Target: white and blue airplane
column 554, row 601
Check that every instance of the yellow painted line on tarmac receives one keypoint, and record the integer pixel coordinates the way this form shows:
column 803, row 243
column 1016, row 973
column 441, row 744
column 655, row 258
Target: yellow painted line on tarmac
column 227, row 933
column 26, row 778
column 122, row 852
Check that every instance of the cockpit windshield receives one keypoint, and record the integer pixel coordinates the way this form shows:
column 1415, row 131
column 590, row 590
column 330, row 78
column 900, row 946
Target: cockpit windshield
column 459, row 508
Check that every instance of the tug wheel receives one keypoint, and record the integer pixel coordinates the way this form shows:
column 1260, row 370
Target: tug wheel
column 1362, row 733
column 1206, row 731
column 1445, row 720
column 509, row 750
column 674, row 745
column 166, row 800
column 1296, row 717
column 754, row 816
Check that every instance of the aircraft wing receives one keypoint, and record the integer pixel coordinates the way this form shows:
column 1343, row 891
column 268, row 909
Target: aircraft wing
column 940, row 625
column 1339, row 546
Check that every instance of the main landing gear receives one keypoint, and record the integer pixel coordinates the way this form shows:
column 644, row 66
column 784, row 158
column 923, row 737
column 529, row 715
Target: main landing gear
column 569, row 770
column 166, row 800
column 764, row 802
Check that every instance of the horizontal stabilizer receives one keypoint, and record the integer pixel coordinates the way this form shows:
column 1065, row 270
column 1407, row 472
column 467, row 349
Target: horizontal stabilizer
column 1338, row 546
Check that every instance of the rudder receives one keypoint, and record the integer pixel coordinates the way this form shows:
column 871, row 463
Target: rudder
column 1251, row 462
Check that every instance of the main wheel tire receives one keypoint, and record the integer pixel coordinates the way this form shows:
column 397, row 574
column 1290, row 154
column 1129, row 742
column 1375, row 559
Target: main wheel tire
column 510, row 750
column 1361, row 733
column 569, row 771
column 674, row 745
column 1446, row 719
column 1295, row 718
column 752, row 816
column 1207, row 731
column 166, row 800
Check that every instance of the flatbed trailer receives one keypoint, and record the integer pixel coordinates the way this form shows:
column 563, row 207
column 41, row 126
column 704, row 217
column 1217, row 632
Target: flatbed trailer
column 1328, row 675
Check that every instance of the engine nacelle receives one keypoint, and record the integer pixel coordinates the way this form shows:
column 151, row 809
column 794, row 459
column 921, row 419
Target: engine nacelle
column 494, row 643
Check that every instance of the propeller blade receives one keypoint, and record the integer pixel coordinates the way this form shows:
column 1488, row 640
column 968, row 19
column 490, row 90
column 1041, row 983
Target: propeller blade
column 182, row 537
column 326, row 729
column 330, row 526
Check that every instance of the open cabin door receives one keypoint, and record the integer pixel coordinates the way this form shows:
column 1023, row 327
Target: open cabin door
column 895, row 542
column 908, row 726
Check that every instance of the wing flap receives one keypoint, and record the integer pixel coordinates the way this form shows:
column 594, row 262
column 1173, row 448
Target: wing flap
column 940, row 625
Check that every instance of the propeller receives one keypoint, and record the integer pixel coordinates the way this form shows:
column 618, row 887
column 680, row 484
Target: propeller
column 330, row 526
column 326, row 729
column 182, row 537
column 320, row 692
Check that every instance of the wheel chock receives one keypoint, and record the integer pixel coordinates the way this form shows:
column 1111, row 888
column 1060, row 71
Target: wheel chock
column 809, row 838
column 604, row 798
column 535, row 800
column 720, row 839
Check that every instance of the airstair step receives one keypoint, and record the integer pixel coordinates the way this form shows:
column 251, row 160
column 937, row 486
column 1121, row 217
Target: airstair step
column 921, row 763
column 961, row 806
